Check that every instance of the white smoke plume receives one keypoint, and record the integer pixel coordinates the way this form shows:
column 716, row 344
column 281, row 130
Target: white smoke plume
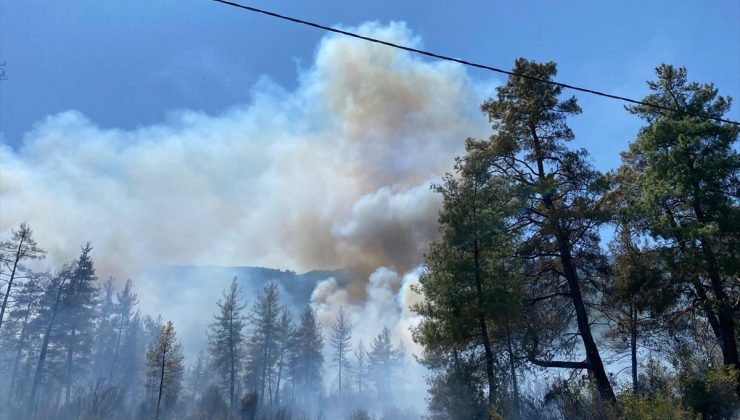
column 332, row 174
column 335, row 173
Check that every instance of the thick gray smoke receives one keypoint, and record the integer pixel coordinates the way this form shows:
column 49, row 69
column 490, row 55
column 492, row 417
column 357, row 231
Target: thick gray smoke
column 333, row 174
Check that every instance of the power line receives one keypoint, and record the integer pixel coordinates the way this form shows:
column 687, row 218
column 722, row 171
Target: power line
column 467, row 63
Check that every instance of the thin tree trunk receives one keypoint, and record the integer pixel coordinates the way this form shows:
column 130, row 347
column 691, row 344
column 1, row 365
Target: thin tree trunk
column 118, row 345
column 10, row 281
column 161, row 377
column 268, row 334
column 42, row 356
column 484, row 327
column 232, row 366
column 280, row 373
column 512, row 369
column 633, row 347
column 68, row 364
column 195, row 383
column 17, row 359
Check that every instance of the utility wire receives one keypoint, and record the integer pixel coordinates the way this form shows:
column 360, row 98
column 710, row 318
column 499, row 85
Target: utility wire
column 468, row 63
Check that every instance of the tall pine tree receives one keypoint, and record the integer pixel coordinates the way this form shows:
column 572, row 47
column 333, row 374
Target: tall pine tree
column 685, row 175
column 226, row 340
column 563, row 201
column 164, row 370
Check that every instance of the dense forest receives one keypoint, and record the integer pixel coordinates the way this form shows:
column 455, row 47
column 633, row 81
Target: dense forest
column 546, row 271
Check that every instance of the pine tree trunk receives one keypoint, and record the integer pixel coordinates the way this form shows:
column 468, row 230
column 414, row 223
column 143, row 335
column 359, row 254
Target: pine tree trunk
column 10, row 281
column 115, row 351
column 595, row 364
column 17, row 359
column 633, row 348
column 232, row 367
column 280, row 373
column 512, row 369
column 68, row 366
column 42, row 355
column 483, row 327
column 725, row 312
column 161, row 377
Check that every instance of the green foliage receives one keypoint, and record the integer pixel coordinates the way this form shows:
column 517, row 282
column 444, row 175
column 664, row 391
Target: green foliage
column 680, row 179
column 164, row 370
column 653, row 407
column 226, row 339
column 211, row 405
column 577, row 399
column 710, row 392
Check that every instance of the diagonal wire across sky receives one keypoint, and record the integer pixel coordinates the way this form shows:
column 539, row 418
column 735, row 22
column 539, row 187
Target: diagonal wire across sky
column 469, row 63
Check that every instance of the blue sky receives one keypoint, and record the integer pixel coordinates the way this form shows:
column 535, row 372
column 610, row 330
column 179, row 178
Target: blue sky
column 127, row 63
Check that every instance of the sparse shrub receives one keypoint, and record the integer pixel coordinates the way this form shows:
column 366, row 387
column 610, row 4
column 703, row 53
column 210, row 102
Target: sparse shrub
column 711, row 392
column 211, row 405
column 248, row 406
column 653, row 407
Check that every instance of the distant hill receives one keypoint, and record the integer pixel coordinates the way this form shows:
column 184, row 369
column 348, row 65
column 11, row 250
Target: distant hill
column 295, row 288
column 187, row 295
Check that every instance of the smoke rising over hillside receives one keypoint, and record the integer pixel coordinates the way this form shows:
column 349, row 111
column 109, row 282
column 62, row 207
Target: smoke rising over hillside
column 321, row 177
column 333, row 174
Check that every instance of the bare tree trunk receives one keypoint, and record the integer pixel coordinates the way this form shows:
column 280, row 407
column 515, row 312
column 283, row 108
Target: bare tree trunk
column 42, row 356
column 17, row 359
column 118, row 346
column 10, row 280
column 232, row 361
column 280, row 373
column 68, row 368
column 161, row 378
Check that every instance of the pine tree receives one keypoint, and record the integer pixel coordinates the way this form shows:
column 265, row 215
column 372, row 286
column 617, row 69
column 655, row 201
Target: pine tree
column 384, row 361
column 126, row 302
column 164, row 369
column 472, row 295
column 637, row 296
column 77, row 319
column 105, row 334
column 196, row 375
column 307, row 359
column 360, row 366
column 13, row 253
column 563, row 201
column 27, row 303
column 54, row 297
column 226, row 338
column 284, row 336
column 684, row 174
column 131, row 356
column 341, row 342
column 262, row 343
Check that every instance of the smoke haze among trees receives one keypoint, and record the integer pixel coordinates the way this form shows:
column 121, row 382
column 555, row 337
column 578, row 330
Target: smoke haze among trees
column 454, row 279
